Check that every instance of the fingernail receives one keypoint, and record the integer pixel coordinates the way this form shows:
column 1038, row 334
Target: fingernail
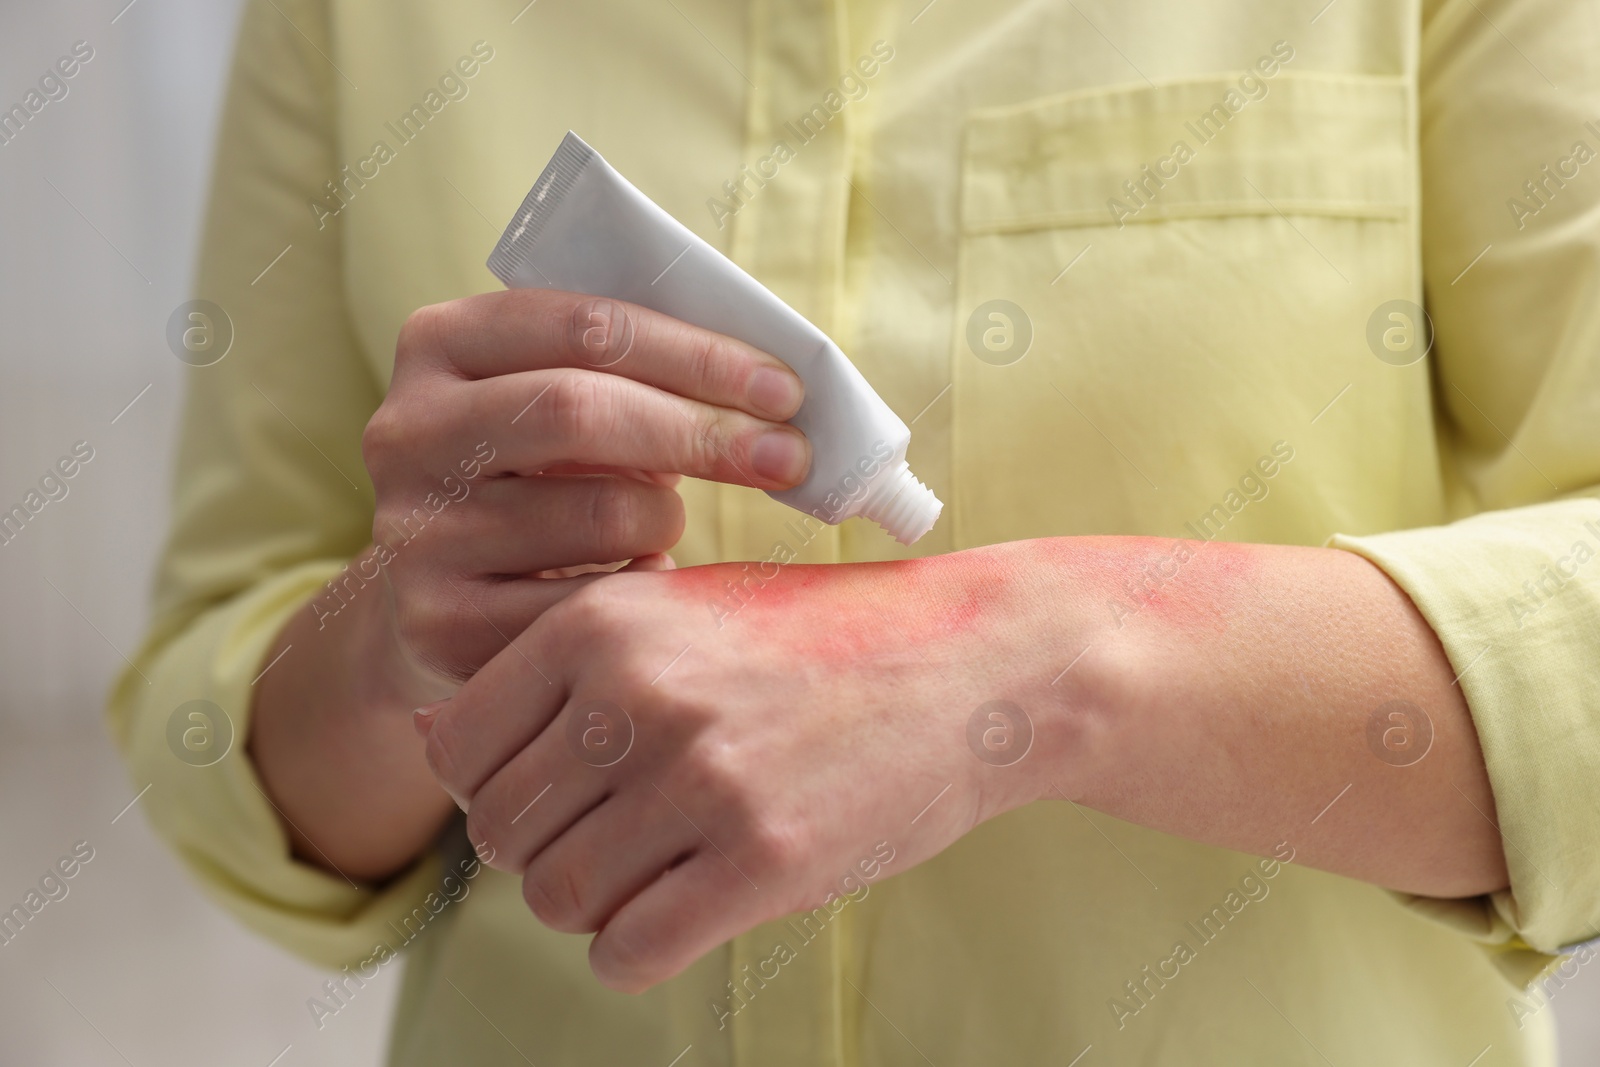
column 423, row 717
column 780, row 456
column 774, row 391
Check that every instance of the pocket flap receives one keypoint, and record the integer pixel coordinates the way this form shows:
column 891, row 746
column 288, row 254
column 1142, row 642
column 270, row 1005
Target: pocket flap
column 1220, row 145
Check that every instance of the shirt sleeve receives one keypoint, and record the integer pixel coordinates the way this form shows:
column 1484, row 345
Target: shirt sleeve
column 1510, row 140
column 271, row 499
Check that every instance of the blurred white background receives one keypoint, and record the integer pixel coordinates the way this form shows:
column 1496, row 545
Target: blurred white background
column 100, row 198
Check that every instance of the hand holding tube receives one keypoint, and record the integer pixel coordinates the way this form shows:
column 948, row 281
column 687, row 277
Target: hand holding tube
column 573, row 416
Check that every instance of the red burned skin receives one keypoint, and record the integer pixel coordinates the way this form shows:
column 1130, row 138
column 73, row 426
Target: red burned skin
column 840, row 610
column 1203, row 591
column 963, row 588
column 1190, row 585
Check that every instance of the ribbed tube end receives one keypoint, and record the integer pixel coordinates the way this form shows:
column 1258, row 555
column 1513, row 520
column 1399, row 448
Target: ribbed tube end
column 902, row 505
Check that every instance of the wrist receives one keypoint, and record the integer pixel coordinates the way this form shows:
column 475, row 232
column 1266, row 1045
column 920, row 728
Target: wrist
column 1137, row 630
column 1044, row 677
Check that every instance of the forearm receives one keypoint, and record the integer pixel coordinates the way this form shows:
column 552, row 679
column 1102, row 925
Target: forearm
column 1228, row 698
column 332, row 739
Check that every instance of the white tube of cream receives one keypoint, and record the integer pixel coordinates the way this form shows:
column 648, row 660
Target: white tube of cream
column 585, row 229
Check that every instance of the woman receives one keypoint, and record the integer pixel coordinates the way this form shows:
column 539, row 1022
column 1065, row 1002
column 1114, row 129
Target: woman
column 1235, row 710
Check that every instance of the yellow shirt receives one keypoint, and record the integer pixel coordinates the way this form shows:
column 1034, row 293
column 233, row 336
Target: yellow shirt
column 1198, row 215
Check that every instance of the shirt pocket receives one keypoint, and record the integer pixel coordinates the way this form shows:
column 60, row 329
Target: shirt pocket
column 1157, row 285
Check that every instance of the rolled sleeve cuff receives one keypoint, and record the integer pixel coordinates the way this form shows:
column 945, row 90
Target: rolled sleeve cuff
column 1514, row 597
column 213, row 811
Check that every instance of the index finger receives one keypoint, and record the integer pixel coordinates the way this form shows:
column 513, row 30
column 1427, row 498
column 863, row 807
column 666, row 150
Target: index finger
column 496, row 713
column 493, row 334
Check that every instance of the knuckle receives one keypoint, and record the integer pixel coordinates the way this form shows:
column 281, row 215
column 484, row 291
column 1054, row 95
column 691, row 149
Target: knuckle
column 580, row 410
column 631, row 675
column 770, row 842
column 424, row 334
column 703, row 446
column 776, row 845
column 556, row 898
column 614, row 516
column 381, row 438
column 599, row 331
column 411, row 620
column 539, row 896
column 718, row 772
column 720, row 366
column 591, row 618
column 436, row 630
column 585, row 613
column 482, row 829
column 388, row 517
column 403, row 430
column 706, row 354
column 622, row 957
